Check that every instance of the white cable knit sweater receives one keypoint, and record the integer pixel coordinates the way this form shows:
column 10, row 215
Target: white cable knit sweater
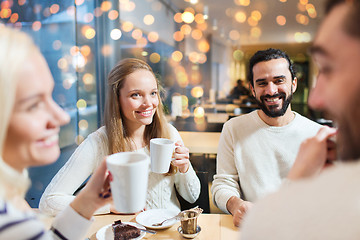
column 254, row 157
column 86, row 158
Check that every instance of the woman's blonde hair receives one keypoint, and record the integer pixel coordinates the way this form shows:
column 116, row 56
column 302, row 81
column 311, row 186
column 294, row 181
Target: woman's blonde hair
column 119, row 140
column 15, row 49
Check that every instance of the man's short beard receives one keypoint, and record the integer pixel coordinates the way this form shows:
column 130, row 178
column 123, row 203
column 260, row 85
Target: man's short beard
column 273, row 113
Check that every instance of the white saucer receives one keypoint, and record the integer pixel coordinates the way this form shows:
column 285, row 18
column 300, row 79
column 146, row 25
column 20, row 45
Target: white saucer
column 149, row 217
column 106, row 232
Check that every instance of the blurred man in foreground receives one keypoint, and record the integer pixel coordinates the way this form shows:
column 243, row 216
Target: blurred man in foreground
column 326, row 205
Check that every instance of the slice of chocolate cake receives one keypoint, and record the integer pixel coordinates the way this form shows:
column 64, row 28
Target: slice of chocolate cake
column 124, row 231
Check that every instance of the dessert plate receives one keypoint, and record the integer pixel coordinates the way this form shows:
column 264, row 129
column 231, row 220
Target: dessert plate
column 152, row 216
column 106, row 232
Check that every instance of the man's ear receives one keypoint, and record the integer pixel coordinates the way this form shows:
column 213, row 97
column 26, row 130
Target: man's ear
column 294, row 84
column 252, row 89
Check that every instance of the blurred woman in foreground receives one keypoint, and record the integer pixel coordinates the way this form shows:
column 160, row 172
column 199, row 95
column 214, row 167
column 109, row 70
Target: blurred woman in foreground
column 30, row 121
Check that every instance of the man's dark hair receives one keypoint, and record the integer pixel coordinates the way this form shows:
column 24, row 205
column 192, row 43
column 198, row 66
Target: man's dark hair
column 352, row 20
column 267, row 55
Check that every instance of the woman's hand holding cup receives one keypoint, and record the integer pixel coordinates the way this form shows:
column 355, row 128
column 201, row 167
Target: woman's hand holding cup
column 181, row 157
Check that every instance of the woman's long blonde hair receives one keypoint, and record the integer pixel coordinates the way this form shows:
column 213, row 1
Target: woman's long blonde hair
column 118, row 138
column 15, row 49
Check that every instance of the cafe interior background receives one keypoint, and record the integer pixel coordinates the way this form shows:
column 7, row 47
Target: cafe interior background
column 197, row 48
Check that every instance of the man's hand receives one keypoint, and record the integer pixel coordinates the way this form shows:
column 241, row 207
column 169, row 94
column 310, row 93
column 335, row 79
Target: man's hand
column 314, row 154
column 238, row 208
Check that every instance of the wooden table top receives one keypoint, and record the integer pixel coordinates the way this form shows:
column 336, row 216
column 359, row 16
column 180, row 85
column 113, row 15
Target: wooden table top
column 213, row 226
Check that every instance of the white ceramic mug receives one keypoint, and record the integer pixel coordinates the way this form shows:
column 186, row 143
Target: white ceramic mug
column 161, row 151
column 130, row 171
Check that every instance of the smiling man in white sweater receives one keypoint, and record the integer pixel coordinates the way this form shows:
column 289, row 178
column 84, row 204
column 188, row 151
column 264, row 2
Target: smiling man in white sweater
column 257, row 150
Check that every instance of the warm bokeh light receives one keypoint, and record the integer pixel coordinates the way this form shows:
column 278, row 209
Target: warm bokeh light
column 149, row 19
column 54, row 8
column 62, row 64
column 81, row 104
column 5, row 4
column 302, row 19
column 199, row 112
column 88, row 32
column 281, row 20
column 36, row 26
column 199, row 18
column 301, row 7
column 302, row 37
column 153, row 37
column 282, row 0
column 83, row 124
column 256, row 15
column 177, row 56
column 240, row 16
column 203, row 46
column 184, row 102
column 202, row 26
column 74, row 50
column 106, row 6
column 178, row 36
column 141, row 42
column 88, row 79
column 255, row 32
column 5, row 13
column 252, row 22
column 127, row 26
column 303, row 2
column 137, row 34
column 154, row 58
column 106, row 50
column 197, row 92
column 115, row 34
column 185, row 29
column 310, row 8
column 234, row 35
column 177, row 17
column 190, row 9
column 67, row 83
column 79, row 2
column 194, row 57
column 113, row 14
column 187, row 17
column 242, row 2
column 202, row 58
column 14, row 17
column 182, row 79
column 98, row 12
column 238, row 55
column 196, row 34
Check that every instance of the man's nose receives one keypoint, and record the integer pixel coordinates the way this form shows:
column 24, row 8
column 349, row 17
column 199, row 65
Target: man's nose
column 316, row 97
column 271, row 89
